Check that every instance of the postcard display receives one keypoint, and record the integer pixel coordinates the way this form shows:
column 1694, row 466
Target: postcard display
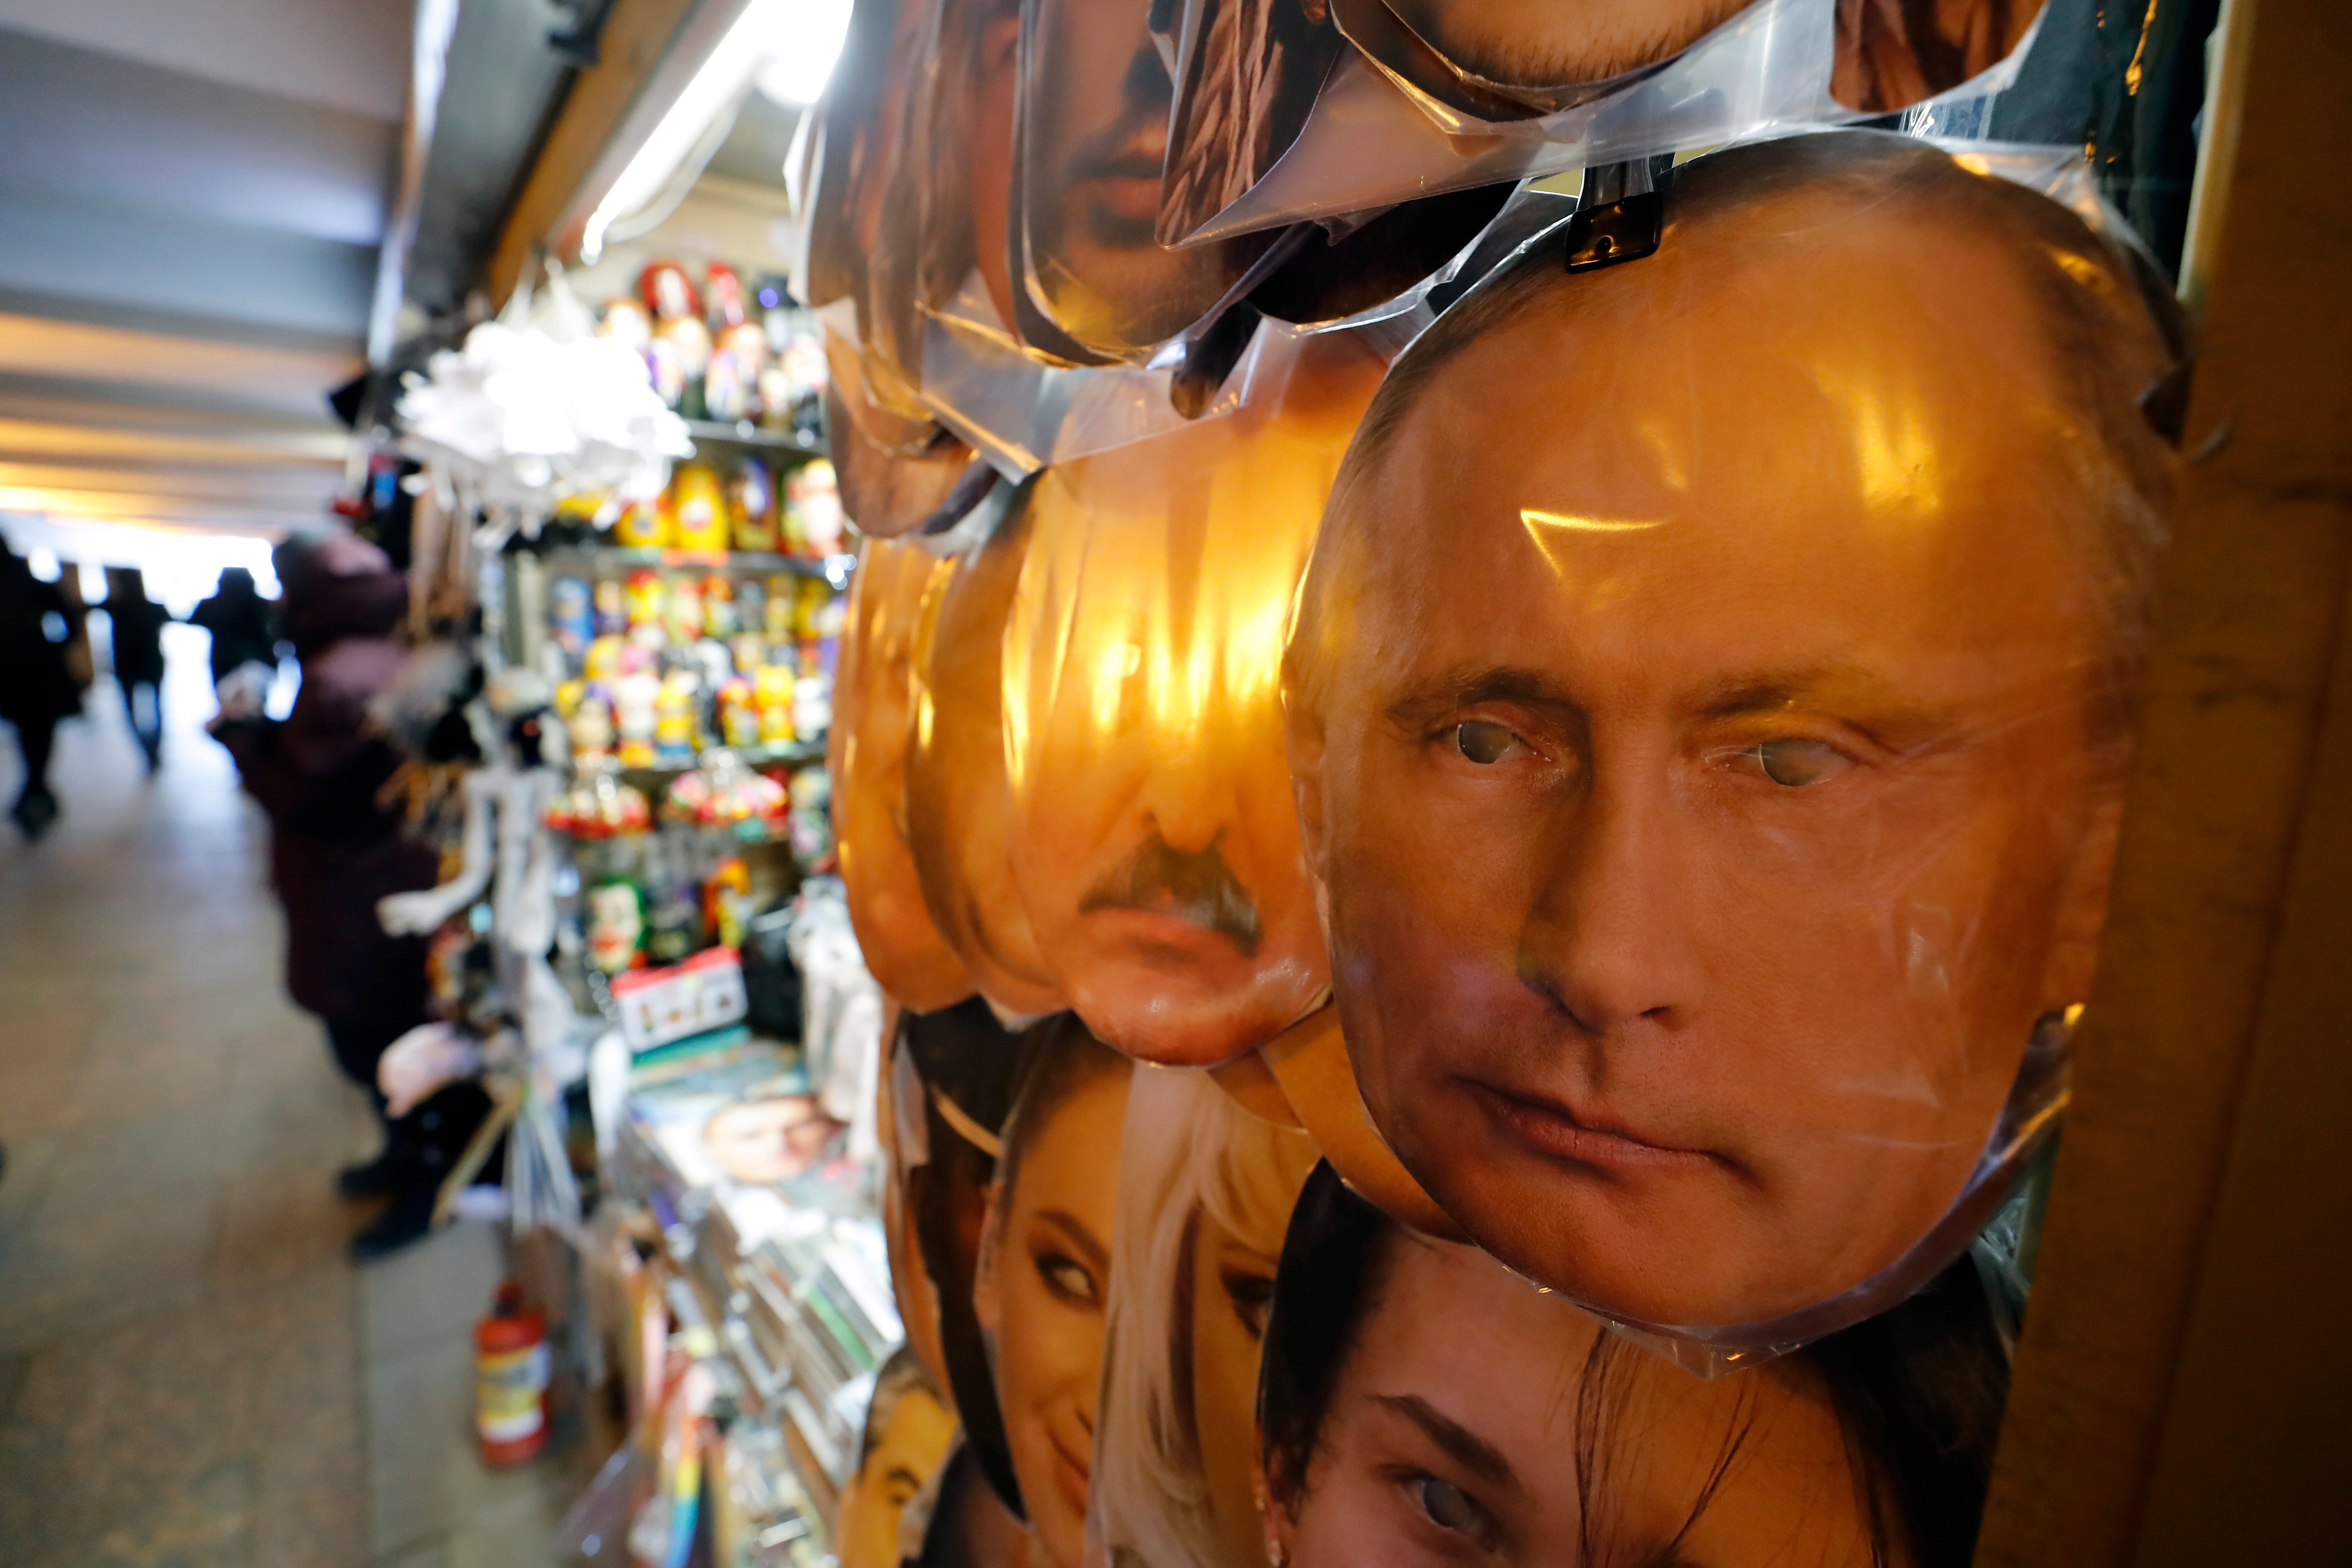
column 1474, row 749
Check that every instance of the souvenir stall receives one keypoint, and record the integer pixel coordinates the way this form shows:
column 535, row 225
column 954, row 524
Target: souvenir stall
column 1419, row 688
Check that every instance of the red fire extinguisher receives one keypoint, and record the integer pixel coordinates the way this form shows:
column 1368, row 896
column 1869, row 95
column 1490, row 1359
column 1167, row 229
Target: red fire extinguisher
column 511, row 1379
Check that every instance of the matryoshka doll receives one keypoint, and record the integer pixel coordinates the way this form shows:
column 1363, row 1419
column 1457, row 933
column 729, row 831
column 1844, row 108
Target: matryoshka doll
column 812, row 504
column 752, row 505
column 719, row 617
column 676, row 736
column 646, row 600
column 626, row 323
column 572, row 617
column 772, row 690
column 698, row 508
column 604, row 659
column 723, row 297
column 819, row 611
column 616, row 925
column 641, row 525
column 731, row 389
column 610, row 607
column 782, row 604
column 590, row 720
column 636, row 700
column 681, row 344
column 684, row 607
column 739, row 714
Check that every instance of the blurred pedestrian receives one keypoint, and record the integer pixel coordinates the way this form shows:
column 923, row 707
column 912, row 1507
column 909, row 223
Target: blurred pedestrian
column 138, row 622
column 336, row 847
column 237, row 616
column 37, row 627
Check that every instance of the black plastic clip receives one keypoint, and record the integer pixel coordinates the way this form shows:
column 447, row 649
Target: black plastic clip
column 1621, row 215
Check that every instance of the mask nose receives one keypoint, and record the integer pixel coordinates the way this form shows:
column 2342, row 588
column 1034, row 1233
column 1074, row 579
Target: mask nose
column 1189, row 795
column 1610, row 937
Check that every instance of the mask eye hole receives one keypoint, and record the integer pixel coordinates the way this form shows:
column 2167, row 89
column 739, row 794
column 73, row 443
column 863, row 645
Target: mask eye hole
column 1452, row 1509
column 1794, row 763
column 1486, row 742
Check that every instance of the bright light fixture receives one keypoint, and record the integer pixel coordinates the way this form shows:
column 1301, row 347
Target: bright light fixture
column 802, row 51
column 787, row 47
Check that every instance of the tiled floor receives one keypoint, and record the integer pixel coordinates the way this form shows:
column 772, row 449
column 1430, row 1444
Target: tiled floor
column 192, row 1373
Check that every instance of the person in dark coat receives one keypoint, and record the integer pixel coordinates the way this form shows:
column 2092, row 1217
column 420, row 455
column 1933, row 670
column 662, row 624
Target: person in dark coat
column 138, row 622
column 239, row 619
column 336, row 847
column 37, row 689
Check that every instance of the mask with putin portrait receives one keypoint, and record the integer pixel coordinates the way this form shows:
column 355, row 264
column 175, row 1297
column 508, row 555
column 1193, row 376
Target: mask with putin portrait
column 1713, row 785
column 1157, row 850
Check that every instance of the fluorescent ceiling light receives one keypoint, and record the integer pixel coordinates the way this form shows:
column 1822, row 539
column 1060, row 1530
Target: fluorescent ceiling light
column 789, row 46
column 802, row 51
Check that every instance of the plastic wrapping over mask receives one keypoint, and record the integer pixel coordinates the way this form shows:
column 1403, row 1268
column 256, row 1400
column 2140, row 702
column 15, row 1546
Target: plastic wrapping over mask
column 960, row 814
column 894, row 472
column 1047, row 1269
column 1394, row 116
column 1709, row 710
column 1154, row 842
column 867, row 757
column 1022, row 415
column 1205, row 1192
column 1419, row 1403
column 862, row 208
column 1092, row 140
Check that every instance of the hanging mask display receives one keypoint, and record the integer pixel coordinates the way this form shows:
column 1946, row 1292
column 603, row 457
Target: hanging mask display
column 893, row 473
column 1317, row 109
column 863, row 209
column 1389, row 1433
column 1155, row 841
column 1712, row 788
column 909, row 1428
column 867, row 757
column 1205, row 1191
column 1045, row 1272
column 960, row 818
column 949, row 1085
column 1092, row 140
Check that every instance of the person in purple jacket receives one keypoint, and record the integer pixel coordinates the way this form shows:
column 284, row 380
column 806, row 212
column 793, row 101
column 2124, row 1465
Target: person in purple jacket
column 336, row 847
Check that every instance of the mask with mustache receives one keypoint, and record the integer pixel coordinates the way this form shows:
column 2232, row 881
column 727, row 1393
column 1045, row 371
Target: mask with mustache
column 1192, row 885
column 1155, row 841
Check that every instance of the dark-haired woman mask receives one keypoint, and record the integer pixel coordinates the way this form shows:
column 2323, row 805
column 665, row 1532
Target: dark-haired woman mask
column 1044, row 1271
column 1422, row 1404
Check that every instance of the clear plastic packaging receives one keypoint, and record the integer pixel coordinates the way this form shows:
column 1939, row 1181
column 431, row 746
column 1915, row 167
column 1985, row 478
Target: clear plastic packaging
column 1205, row 1192
column 1709, row 703
column 1154, row 842
column 1093, row 136
column 1280, row 123
column 959, row 806
column 1022, row 415
column 894, row 472
column 1418, row 1400
column 867, row 751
